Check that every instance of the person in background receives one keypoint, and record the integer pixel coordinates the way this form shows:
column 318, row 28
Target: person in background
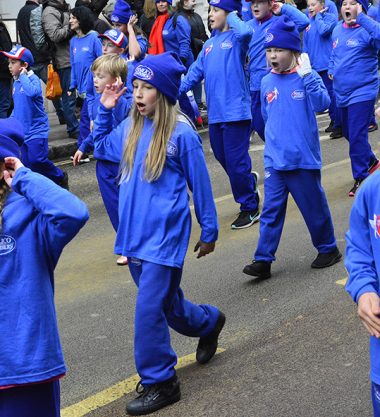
column 147, row 19
column 5, row 76
column 100, row 25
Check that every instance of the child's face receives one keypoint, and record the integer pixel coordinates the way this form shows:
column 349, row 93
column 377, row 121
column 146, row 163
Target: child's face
column 145, row 96
column 217, row 18
column 280, row 59
column 261, row 8
column 162, row 6
column 110, row 48
column 74, row 23
column 314, row 7
column 101, row 79
column 121, row 26
column 15, row 66
column 349, row 11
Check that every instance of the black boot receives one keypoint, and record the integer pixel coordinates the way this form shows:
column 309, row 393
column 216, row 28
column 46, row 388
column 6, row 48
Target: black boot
column 208, row 344
column 323, row 260
column 154, row 397
column 258, row 269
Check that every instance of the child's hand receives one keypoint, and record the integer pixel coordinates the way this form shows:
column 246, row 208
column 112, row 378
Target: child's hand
column 77, row 157
column 12, row 164
column 304, row 66
column 369, row 312
column 276, row 8
column 377, row 112
column 112, row 93
column 204, row 248
column 132, row 21
column 359, row 9
column 323, row 10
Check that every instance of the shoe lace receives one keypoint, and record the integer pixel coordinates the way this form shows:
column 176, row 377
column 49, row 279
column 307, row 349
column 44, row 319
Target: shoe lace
column 144, row 391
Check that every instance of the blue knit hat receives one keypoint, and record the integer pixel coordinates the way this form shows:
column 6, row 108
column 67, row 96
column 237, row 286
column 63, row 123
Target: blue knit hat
column 122, row 12
column 167, row 1
column 283, row 34
column 163, row 71
column 227, row 5
column 116, row 37
column 20, row 53
column 11, row 137
column 364, row 3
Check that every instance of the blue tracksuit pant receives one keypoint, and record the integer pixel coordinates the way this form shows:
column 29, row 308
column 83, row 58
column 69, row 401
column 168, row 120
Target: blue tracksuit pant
column 376, row 399
column 37, row 400
column 355, row 121
column 329, row 87
column 107, row 174
column 230, row 143
column 160, row 303
column 305, row 187
column 34, row 155
column 84, row 124
column 257, row 124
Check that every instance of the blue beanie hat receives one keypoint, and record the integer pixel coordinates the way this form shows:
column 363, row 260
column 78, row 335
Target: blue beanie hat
column 163, row 71
column 11, row 137
column 227, row 5
column 167, row 1
column 283, row 34
column 122, row 12
column 116, row 37
column 364, row 3
column 20, row 53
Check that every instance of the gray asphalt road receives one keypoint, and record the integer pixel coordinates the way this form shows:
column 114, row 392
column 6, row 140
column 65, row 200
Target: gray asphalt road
column 293, row 345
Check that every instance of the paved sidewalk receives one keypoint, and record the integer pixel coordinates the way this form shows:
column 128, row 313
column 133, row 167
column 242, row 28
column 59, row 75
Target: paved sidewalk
column 60, row 146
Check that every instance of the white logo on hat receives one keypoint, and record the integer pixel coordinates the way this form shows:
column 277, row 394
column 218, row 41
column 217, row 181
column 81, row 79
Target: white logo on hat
column 114, row 18
column 143, row 72
column 112, row 32
column 7, row 244
column 214, row 2
column 269, row 37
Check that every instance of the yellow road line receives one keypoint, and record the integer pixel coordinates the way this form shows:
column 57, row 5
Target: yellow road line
column 116, row 391
column 342, row 281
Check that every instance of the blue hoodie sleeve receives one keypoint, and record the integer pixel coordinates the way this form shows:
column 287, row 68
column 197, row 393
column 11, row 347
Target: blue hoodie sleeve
column 316, row 92
column 60, row 214
column 325, row 23
column 183, row 34
column 122, row 109
column 242, row 32
column 108, row 143
column 372, row 27
column 87, row 146
column 299, row 18
column 359, row 260
column 31, row 85
column 143, row 43
column 73, row 80
column 263, row 103
column 195, row 73
column 90, row 93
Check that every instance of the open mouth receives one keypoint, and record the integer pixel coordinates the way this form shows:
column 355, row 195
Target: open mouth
column 140, row 107
column 274, row 65
column 348, row 15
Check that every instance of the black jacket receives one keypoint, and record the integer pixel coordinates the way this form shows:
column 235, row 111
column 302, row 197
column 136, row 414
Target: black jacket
column 198, row 30
column 5, row 45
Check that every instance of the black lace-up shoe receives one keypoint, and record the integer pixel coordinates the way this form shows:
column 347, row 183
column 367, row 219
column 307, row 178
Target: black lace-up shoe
column 355, row 187
column 208, row 344
column 324, row 260
column 258, row 269
column 154, row 397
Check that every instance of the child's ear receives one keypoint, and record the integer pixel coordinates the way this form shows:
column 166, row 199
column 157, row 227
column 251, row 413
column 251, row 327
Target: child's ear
column 25, row 65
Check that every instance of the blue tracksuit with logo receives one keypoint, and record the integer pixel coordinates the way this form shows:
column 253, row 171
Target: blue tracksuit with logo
column 29, row 110
column 154, row 232
column 221, row 64
column 354, row 66
column 292, row 160
column 258, row 66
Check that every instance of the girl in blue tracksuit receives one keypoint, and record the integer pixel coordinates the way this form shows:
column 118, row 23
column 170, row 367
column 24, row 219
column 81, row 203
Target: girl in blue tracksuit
column 85, row 47
column 291, row 94
column 221, row 64
column 161, row 155
column 317, row 43
column 37, row 219
column 263, row 17
column 363, row 265
column 353, row 67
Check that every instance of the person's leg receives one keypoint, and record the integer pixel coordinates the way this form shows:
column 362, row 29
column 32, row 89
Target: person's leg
column 84, row 125
column 329, row 87
column 68, row 102
column 257, row 123
column 197, row 91
column 107, row 174
column 375, row 391
column 38, row 400
column 272, row 216
column 5, row 97
column 216, row 142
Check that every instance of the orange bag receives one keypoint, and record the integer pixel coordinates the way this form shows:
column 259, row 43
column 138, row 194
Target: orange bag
column 53, row 85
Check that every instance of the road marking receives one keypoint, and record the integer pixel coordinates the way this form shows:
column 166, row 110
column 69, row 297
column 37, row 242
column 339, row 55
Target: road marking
column 342, row 281
column 117, row 391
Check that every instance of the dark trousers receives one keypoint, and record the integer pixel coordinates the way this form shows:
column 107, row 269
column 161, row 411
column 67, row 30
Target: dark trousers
column 257, row 124
column 68, row 102
column 5, row 97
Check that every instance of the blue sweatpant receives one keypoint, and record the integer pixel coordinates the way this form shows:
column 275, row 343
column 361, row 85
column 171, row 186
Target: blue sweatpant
column 375, row 391
column 37, row 400
column 329, row 87
column 257, row 124
column 305, row 187
column 160, row 303
column 355, row 121
column 84, row 123
column 34, row 155
column 107, row 174
column 230, row 143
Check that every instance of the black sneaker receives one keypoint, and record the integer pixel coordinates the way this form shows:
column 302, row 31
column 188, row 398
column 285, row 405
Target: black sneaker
column 372, row 128
column 154, row 397
column 246, row 219
column 64, row 183
column 336, row 134
column 330, row 127
column 207, row 345
column 259, row 269
column 323, row 260
column 355, row 187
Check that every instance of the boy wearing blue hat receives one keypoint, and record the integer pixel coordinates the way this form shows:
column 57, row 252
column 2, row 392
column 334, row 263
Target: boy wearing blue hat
column 29, row 110
column 291, row 94
column 34, row 213
column 356, row 41
column 161, row 155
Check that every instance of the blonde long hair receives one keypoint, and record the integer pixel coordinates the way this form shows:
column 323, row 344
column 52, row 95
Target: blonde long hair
column 164, row 122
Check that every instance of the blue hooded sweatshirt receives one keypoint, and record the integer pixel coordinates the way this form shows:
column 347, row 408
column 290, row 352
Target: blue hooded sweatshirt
column 221, row 64
column 363, row 253
column 258, row 66
column 353, row 62
column 155, row 219
column 289, row 104
column 29, row 106
column 39, row 219
column 83, row 52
